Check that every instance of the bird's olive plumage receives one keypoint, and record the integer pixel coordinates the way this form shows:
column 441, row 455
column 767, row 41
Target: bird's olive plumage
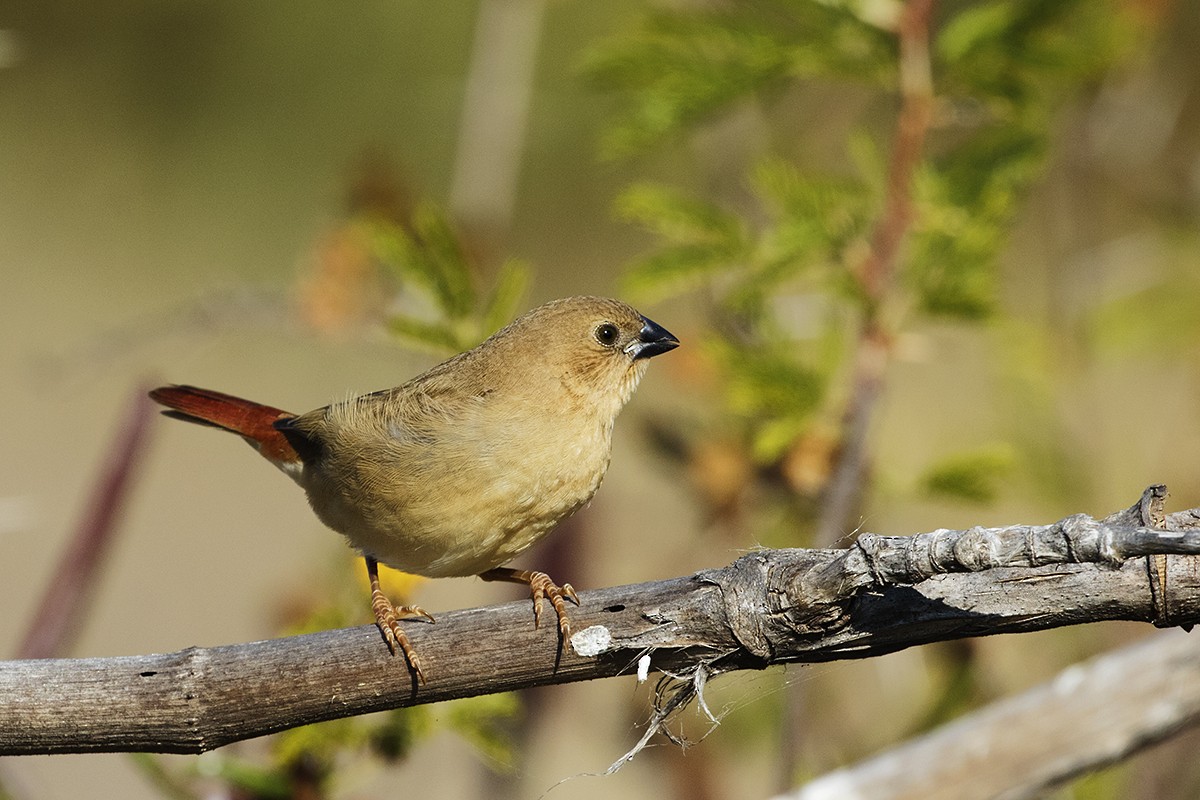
column 462, row 468
column 465, row 466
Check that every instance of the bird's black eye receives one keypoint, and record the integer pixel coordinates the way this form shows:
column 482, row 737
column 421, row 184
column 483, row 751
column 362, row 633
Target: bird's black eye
column 606, row 334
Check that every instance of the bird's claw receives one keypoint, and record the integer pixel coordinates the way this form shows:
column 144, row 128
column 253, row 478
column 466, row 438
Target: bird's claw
column 387, row 617
column 541, row 587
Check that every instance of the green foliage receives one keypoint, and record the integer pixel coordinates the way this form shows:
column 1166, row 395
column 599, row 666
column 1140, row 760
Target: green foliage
column 505, row 299
column 682, row 67
column 770, row 392
column 1001, row 72
column 970, row 476
column 1005, row 69
column 427, row 257
column 1018, row 59
column 815, row 224
column 486, row 723
column 1158, row 318
column 700, row 239
column 317, row 744
column 774, row 380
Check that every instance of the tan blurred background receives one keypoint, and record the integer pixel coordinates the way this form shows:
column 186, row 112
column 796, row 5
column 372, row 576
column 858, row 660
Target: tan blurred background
column 169, row 173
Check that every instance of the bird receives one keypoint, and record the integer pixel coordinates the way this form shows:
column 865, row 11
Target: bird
column 460, row 469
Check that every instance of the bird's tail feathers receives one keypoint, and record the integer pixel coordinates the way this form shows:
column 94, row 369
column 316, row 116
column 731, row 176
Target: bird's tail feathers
column 252, row 421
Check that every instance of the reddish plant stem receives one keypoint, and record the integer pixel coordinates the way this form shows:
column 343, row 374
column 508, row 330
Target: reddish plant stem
column 876, row 276
column 65, row 599
column 877, row 273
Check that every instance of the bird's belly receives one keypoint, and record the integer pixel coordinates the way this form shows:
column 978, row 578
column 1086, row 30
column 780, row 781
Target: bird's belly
column 444, row 550
column 449, row 530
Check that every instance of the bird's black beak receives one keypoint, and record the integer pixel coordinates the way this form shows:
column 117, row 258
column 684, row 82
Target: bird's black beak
column 653, row 339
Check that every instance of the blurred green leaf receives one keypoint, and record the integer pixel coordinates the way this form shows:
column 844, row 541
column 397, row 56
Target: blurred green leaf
column 671, row 270
column 436, row 336
column 770, row 391
column 673, row 215
column 1021, row 56
column 512, row 281
column 975, row 28
column 1116, row 781
column 701, row 240
column 821, row 214
column 772, row 438
column 430, row 264
column 321, row 742
column 486, row 723
column 438, row 257
column 680, row 67
column 396, row 731
column 1159, row 319
column 972, row 476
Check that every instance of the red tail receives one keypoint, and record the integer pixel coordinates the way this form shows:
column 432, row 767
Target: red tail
column 252, row 421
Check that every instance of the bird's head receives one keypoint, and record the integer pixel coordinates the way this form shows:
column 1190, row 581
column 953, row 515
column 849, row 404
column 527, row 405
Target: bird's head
column 599, row 348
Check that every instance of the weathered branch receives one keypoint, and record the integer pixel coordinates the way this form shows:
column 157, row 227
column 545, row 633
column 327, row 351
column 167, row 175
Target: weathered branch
column 1087, row 717
column 774, row 606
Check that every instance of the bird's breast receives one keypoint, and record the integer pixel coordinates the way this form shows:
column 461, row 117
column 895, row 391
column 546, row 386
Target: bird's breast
column 464, row 501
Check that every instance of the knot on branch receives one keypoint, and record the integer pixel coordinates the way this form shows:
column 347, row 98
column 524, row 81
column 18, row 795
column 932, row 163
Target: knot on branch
column 776, row 598
column 1086, row 540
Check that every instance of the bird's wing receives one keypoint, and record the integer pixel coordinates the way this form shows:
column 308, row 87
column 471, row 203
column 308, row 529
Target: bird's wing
column 418, row 414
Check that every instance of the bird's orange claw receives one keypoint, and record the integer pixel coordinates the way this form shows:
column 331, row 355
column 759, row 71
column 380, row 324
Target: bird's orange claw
column 388, row 616
column 540, row 588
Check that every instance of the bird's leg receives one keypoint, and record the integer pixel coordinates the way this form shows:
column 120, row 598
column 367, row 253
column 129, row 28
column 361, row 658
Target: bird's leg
column 388, row 616
column 540, row 586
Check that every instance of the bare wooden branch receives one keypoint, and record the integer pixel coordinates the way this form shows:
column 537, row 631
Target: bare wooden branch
column 773, row 606
column 1089, row 716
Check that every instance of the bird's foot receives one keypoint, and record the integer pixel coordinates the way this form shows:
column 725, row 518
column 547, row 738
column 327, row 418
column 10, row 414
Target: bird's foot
column 540, row 588
column 388, row 616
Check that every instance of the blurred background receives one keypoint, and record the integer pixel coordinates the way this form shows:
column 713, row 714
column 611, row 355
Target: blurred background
column 290, row 202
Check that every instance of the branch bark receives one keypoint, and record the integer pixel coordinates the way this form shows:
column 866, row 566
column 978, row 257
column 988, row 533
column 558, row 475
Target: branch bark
column 775, row 606
column 1089, row 716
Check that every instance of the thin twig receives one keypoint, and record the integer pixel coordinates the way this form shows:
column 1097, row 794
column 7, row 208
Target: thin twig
column 491, row 134
column 64, row 602
column 877, row 272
